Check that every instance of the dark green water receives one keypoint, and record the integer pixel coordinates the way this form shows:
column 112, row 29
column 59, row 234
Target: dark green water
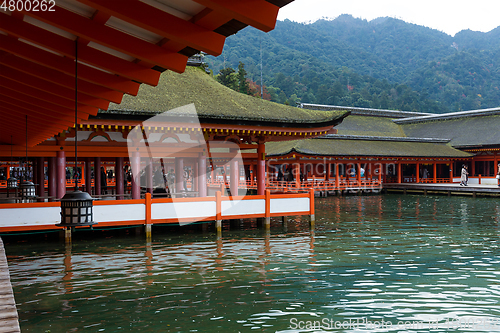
column 386, row 263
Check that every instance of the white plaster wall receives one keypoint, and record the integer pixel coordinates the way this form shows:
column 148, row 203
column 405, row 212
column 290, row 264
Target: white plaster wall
column 243, row 207
column 115, row 213
column 21, row 217
column 179, row 210
column 289, row 205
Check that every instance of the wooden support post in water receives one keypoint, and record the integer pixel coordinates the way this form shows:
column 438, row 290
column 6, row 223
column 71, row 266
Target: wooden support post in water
column 218, row 212
column 67, row 235
column 267, row 222
column 148, row 216
column 311, row 208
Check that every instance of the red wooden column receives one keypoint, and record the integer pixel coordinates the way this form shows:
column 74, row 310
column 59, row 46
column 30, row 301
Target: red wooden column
column 179, row 174
column 380, row 168
column 358, row 174
column 434, row 172
column 149, row 176
column 119, row 178
column 418, row 172
column 337, row 176
column 451, row 171
column 296, row 173
column 52, row 177
column 261, row 169
column 135, row 163
column 202, row 175
column 234, row 177
column 88, row 175
column 400, row 176
column 60, row 174
column 40, row 173
column 97, row 176
column 327, row 170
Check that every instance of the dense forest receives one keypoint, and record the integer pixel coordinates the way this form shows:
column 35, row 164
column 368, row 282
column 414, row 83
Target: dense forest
column 384, row 63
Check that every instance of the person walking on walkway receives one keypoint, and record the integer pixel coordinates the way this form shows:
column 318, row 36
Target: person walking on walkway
column 463, row 176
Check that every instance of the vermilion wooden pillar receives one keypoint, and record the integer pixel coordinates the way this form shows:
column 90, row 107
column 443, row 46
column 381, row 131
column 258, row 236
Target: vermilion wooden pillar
column 179, row 174
column 234, row 177
column 60, row 174
column 202, row 175
column 261, row 169
column 88, row 175
column 52, row 177
column 296, row 173
column 451, row 171
column 135, row 163
column 149, row 176
column 337, row 176
column 418, row 172
column 97, row 176
column 400, row 176
column 40, row 172
column 120, row 178
column 434, row 173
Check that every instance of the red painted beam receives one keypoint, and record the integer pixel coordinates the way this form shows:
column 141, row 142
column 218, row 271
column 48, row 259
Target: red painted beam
column 86, row 54
column 49, row 116
column 257, row 13
column 67, row 66
column 112, row 38
column 57, row 77
column 38, row 99
column 24, row 81
column 161, row 23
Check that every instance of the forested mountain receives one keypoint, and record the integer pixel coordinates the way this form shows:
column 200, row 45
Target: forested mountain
column 383, row 63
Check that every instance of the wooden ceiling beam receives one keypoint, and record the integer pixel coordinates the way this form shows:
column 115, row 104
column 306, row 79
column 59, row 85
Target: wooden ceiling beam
column 37, row 99
column 257, row 13
column 112, row 38
column 86, row 54
column 57, row 77
column 162, row 23
column 35, row 111
column 56, row 93
column 67, row 66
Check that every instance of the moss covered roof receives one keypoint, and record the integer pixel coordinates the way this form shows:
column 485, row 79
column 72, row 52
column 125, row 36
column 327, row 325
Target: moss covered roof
column 463, row 132
column 364, row 147
column 369, row 126
column 214, row 101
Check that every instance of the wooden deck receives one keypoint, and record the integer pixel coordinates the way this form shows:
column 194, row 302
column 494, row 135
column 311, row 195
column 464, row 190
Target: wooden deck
column 9, row 320
column 446, row 189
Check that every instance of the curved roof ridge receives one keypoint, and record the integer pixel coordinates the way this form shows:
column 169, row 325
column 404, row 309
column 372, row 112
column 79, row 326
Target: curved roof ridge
column 383, row 138
column 365, row 111
column 451, row 115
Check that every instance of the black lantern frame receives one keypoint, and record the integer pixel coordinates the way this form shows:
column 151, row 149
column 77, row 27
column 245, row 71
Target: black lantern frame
column 27, row 189
column 76, row 207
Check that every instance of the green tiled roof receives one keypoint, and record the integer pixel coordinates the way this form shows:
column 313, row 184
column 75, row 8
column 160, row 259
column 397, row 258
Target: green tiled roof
column 463, row 132
column 214, row 101
column 342, row 146
column 369, row 126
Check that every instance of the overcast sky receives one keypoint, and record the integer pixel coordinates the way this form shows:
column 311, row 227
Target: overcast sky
column 449, row 16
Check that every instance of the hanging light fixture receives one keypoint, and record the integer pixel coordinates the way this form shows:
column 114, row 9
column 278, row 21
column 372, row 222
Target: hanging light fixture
column 76, row 206
column 27, row 188
column 11, row 181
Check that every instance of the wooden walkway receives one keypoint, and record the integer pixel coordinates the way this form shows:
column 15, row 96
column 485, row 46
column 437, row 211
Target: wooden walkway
column 446, row 189
column 9, row 320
